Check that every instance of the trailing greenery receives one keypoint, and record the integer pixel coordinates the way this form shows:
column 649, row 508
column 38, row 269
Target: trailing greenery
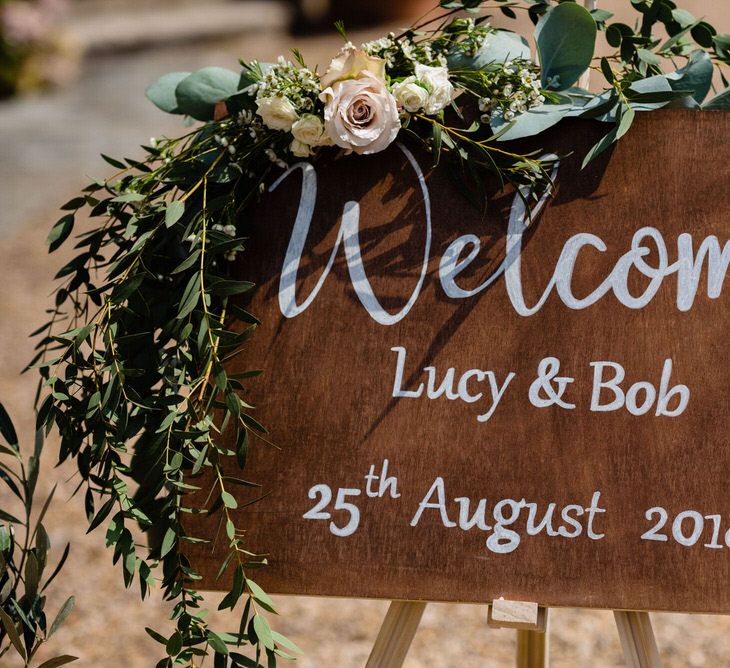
column 133, row 359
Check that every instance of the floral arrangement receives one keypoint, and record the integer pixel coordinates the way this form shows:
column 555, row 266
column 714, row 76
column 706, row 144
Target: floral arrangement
column 133, row 359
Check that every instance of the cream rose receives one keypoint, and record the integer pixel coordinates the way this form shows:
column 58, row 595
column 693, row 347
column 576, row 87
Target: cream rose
column 440, row 90
column 360, row 114
column 410, row 95
column 309, row 130
column 349, row 64
column 277, row 112
column 300, row 149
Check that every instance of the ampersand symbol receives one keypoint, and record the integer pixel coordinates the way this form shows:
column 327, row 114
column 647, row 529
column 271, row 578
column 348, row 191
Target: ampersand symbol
column 546, row 376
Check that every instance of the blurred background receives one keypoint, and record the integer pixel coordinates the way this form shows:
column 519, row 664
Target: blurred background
column 72, row 80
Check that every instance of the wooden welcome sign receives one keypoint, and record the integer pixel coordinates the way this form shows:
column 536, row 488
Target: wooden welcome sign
column 469, row 407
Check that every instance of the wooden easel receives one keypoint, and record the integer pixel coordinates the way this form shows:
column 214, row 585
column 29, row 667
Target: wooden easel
column 530, row 620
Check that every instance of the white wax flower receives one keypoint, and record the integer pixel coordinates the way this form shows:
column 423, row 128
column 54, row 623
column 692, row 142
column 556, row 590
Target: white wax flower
column 441, row 91
column 360, row 114
column 410, row 95
column 277, row 112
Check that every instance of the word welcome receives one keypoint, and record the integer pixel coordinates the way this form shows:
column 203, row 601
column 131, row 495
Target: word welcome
column 688, row 265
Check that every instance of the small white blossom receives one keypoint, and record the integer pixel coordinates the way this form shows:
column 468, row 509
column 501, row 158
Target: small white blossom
column 245, row 117
column 440, row 89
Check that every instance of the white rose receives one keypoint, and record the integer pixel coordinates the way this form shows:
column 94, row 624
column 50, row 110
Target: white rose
column 410, row 95
column 360, row 114
column 349, row 64
column 277, row 112
column 440, row 89
column 309, row 130
column 300, row 149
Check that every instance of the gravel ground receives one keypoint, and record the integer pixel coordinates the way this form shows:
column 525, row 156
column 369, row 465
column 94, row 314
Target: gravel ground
column 49, row 143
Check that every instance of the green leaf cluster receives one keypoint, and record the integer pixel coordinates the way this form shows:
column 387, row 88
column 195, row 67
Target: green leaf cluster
column 643, row 74
column 133, row 360
column 196, row 94
column 25, row 572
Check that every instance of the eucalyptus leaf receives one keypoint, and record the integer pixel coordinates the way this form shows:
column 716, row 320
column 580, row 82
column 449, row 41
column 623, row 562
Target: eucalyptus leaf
column 566, row 39
column 498, row 48
column 60, row 232
column 625, row 121
column 12, row 632
column 229, row 501
column 168, row 542
column 263, row 631
column 683, row 17
column 260, row 595
column 600, row 108
column 7, row 430
column 535, row 121
column 720, row 101
column 677, row 39
column 173, row 212
column 198, row 93
column 696, row 76
column 650, row 93
column 217, row 643
column 600, row 146
column 162, row 92
column 58, row 661
column 601, row 15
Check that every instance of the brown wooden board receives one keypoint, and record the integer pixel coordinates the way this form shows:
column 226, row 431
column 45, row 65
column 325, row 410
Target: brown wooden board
column 330, row 374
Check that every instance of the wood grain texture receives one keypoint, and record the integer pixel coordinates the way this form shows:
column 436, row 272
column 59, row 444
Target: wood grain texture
column 328, row 378
column 533, row 649
column 396, row 634
column 637, row 639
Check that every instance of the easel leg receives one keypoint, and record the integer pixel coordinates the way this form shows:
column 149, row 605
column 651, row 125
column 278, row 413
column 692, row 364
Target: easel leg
column 396, row 634
column 533, row 649
column 637, row 639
